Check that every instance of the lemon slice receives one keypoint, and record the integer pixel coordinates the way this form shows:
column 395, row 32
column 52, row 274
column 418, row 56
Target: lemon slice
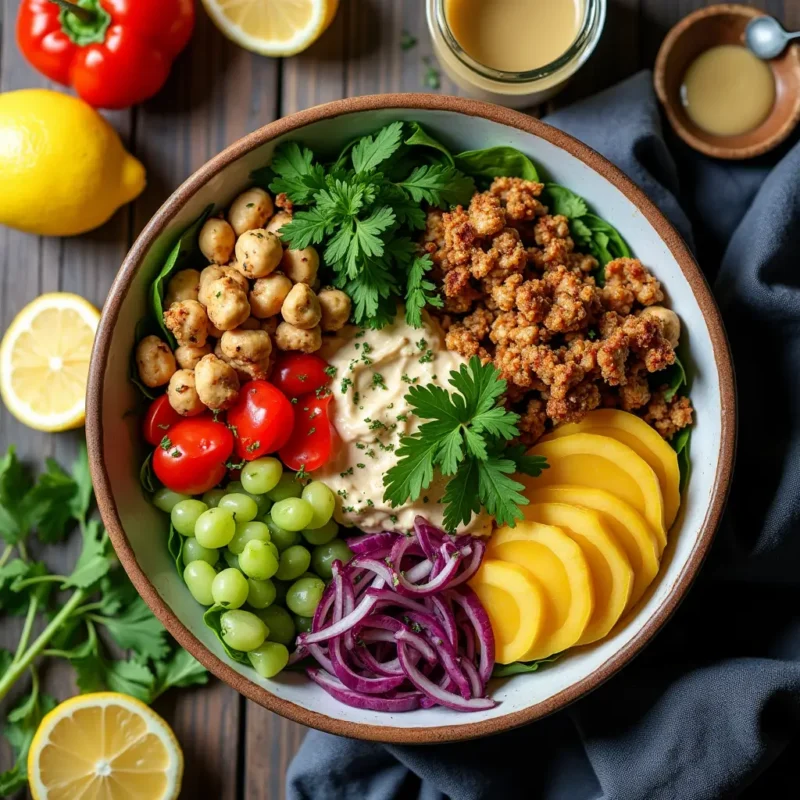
column 272, row 27
column 44, row 361
column 104, row 746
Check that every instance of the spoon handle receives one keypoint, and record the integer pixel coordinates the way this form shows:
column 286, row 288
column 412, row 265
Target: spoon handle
column 792, row 35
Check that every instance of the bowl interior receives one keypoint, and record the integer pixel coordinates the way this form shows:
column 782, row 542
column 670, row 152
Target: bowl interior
column 708, row 28
column 146, row 528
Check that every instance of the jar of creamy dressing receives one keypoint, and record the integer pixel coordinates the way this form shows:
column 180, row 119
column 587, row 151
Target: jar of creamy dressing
column 489, row 47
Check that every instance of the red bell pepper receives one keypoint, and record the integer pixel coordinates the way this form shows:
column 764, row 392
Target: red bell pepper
column 116, row 53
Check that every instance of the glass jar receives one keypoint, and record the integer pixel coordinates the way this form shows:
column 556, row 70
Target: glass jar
column 514, row 89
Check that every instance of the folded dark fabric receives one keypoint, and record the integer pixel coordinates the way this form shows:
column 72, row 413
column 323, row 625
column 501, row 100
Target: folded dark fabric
column 715, row 699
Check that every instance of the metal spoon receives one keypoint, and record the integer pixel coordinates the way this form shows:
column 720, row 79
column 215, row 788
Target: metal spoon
column 767, row 38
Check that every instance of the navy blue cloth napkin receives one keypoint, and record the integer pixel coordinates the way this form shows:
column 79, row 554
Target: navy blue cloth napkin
column 715, row 699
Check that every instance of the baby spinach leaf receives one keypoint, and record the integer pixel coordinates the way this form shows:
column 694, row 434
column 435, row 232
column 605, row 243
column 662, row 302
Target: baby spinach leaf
column 183, row 254
column 680, row 443
column 147, row 476
column 212, row 619
column 493, row 162
column 676, row 379
column 520, row 667
column 561, row 200
column 175, row 548
column 420, row 138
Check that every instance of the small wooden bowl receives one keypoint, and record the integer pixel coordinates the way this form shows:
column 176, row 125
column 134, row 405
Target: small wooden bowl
column 709, row 27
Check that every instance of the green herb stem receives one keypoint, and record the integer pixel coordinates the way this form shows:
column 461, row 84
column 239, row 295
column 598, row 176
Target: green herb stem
column 6, row 555
column 40, row 579
column 20, row 665
column 30, row 618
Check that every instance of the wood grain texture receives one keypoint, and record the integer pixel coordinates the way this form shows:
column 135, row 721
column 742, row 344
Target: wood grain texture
column 215, row 94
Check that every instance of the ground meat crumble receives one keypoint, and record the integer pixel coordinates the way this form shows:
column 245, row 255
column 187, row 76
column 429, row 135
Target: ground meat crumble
column 517, row 293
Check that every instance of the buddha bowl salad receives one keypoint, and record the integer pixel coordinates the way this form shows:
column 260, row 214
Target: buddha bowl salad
column 416, row 417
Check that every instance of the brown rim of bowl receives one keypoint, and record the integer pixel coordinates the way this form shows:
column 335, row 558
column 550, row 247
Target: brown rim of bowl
column 694, row 141
column 107, row 505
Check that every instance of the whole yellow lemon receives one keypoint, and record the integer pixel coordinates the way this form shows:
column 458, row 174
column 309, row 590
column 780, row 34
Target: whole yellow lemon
column 63, row 169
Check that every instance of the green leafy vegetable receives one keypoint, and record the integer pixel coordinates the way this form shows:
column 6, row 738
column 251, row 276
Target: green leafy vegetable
column 680, row 443
column 182, row 669
column 175, row 548
column 183, row 255
column 93, row 561
column 439, row 185
column 407, row 41
column 133, row 627
column 420, row 291
column 494, row 162
column 465, row 439
column 431, row 78
column 368, row 152
column 147, row 476
column 212, row 619
column 675, row 379
column 521, row 667
column 420, row 138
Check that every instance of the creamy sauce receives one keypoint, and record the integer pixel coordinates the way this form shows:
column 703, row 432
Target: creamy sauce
column 728, row 91
column 374, row 370
column 514, row 35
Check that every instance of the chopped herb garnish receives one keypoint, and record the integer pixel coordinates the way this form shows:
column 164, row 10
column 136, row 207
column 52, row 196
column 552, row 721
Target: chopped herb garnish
column 346, row 383
column 311, row 431
column 361, row 446
column 370, row 453
column 301, row 474
column 166, row 443
column 402, row 417
column 250, row 205
column 376, row 425
column 379, row 382
column 361, row 466
column 293, row 401
column 302, row 378
column 393, row 519
column 331, row 371
column 251, row 448
column 348, row 471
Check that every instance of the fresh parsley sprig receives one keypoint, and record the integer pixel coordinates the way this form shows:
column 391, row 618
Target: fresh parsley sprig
column 365, row 209
column 466, row 439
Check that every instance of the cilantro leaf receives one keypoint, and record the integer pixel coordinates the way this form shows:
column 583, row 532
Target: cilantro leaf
column 14, row 484
column 527, row 465
column 419, row 291
column 370, row 151
column 48, row 506
column 439, row 185
column 413, row 471
column 499, row 494
column 480, row 386
column 297, row 174
column 12, row 601
column 180, row 670
column 93, row 562
column 94, row 673
column 307, row 228
column 82, row 499
column 135, row 628
column 460, row 497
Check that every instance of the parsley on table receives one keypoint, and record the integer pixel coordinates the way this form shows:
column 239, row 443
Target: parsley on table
column 407, row 41
column 365, row 210
column 103, row 605
column 464, row 439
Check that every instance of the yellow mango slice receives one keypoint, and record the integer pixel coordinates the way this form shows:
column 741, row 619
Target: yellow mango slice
column 513, row 600
column 586, row 459
column 627, row 525
column 643, row 440
column 612, row 575
column 560, row 567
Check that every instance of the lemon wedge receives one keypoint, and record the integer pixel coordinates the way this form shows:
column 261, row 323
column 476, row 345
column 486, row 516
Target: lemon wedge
column 104, row 746
column 272, row 27
column 44, row 361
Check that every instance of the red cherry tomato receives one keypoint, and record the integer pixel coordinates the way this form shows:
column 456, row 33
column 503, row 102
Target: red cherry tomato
column 311, row 440
column 160, row 417
column 191, row 459
column 262, row 420
column 300, row 373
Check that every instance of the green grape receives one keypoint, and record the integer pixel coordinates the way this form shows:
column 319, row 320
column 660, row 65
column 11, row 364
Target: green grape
column 321, row 500
column 262, row 475
column 258, row 561
column 294, row 562
column 194, row 551
column 275, row 551
column 280, row 624
column 321, row 535
column 269, row 659
column 215, row 527
column 287, row 486
column 302, row 624
column 246, row 532
column 280, row 537
column 322, row 557
column 261, row 593
column 184, row 515
column 261, row 500
column 281, row 587
column 242, row 507
column 212, row 497
column 229, row 588
column 231, row 559
column 199, row 575
column 304, row 595
column 293, row 514
column 242, row 630
column 166, row 499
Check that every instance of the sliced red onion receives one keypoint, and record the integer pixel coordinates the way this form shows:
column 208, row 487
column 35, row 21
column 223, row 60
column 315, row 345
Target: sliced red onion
column 386, row 624
column 444, row 613
column 380, row 568
column 321, row 656
column 429, row 688
column 299, row 654
column 443, row 579
column 447, row 655
column 369, row 542
column 471, row 671
column 419, row 571
column 479, row 548
column 429, row 537
column 344, row 624
column 353, row 680
column 406, row 701
column 469, row 602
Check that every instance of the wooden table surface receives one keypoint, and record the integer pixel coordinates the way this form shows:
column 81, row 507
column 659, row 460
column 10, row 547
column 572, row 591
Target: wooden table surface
column 216, row 93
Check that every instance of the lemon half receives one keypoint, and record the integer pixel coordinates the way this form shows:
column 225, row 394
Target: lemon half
column 44, row 361
column 104, row 746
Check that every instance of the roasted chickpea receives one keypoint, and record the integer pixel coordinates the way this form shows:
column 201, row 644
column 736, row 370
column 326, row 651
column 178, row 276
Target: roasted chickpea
column 301, row 265
column 251, row 209
column 250, row 324
column 669, row 321
column 242, row 374
column 301, row 307
column 227, row 304
column 213, row 273
column 216, row 240
column 182, row 394
column 183, row 285
column 217, row 383
column 243, row 345
column 268, row 294
column 290, row 337
column 258, row 253
column 335, row 306
column 270, row 325
column 155, row 361
column 188, row 322
column 278, row 221
column 187, row 355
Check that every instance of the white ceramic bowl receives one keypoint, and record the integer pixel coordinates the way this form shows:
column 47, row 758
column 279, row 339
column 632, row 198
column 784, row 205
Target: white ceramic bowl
column 139, row 531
